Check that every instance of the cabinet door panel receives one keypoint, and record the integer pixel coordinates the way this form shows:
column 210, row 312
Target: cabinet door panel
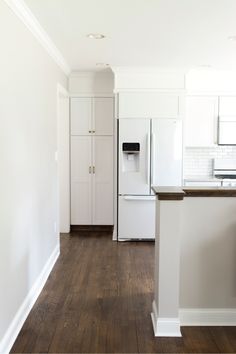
column 149, row 105
column 103, row 180
column 103, row 116
column 81, row 116
column 201, row 120
column 227, row 106
column 81, row 181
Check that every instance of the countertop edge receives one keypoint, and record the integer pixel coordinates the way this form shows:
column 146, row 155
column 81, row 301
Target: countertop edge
column 179, row 193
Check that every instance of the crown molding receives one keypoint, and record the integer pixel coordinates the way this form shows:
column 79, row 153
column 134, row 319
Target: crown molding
column 26, row 16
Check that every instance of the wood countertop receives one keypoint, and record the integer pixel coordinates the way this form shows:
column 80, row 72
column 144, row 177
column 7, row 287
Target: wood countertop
column 179, row 193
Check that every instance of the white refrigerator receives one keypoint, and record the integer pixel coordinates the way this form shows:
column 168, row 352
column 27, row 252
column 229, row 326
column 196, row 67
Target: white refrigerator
column 150, row 154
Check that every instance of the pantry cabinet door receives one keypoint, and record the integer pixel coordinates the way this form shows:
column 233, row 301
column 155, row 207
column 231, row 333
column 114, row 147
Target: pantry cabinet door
column 81, row 115
column 103, row 180
column 81, row 180
column 201, row 121
column 103, row 116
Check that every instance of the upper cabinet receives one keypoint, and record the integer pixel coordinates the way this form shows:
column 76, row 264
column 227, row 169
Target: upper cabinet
column 227, row 120
column 201, row 120
column 81, row 116
column 103, row 116
column 149, row 105
column 92, row 116
column 227, row 106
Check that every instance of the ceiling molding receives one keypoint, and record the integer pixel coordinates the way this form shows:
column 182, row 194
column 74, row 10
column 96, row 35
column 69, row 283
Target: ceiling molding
column 147, row 70
column 91, row 73
column 26, row 16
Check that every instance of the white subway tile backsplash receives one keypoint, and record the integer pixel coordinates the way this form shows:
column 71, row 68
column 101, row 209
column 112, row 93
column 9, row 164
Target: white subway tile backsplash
column 199, row 161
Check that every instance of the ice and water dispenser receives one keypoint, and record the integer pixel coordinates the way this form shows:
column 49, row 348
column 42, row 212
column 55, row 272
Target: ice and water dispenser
column 131, row 157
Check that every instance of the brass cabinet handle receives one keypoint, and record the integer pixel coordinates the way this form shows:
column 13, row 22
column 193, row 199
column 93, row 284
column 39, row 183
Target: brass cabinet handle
column 90, row 131
column 93, row 169
column 90, row 169
column 93, row 131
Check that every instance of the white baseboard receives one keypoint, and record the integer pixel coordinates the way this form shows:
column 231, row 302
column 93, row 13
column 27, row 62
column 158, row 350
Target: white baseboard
column 13, row 330
column 208, row 317
column 164, row 327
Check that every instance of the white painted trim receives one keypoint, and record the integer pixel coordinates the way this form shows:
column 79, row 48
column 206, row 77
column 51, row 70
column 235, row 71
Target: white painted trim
column 210, row 93
column 26, row 16
column 13, row 330
column 208, row 317
column 165, row 327
column 61, row 90
column 62, row 93
column 147, row 70
column 93, row 95
column 91, row 73
column 157, row 90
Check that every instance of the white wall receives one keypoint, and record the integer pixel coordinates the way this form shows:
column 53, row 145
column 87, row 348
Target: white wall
column 28, row 141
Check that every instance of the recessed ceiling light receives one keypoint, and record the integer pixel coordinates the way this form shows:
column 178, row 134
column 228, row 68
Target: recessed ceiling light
column 102, row 65
column 232, row 38
column 95, row 36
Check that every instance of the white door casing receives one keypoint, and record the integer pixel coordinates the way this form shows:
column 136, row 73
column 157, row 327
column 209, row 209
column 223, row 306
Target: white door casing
column 63, row 159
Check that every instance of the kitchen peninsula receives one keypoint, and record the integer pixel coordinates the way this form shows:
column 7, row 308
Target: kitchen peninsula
column 195, row 256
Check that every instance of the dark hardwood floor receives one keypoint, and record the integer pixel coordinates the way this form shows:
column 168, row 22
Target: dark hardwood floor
column 98, row 300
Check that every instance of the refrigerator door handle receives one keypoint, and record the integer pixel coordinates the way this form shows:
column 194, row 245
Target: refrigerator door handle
column 148, row 159
column 140, row 197
column 153, row 159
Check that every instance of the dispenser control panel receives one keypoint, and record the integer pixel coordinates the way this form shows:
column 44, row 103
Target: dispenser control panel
column 131, row 148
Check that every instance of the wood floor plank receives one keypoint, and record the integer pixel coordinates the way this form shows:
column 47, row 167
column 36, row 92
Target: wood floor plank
column 98, row 299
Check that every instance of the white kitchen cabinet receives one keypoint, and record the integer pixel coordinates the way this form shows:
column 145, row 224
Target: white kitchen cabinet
column 91, row 116
column 201, row 121
column 92, row 161
column 91, row 180
column 149, row 105
column 102, row 180
column 227, row 106
column 103, row 116
column 81, row 115
column 81, row 180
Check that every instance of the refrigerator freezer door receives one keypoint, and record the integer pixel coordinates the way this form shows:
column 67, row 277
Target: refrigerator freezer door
column 166, row 152
column 136, row 217
column 134, row 166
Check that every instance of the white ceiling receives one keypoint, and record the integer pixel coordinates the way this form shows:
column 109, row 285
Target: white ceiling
column 162, row 33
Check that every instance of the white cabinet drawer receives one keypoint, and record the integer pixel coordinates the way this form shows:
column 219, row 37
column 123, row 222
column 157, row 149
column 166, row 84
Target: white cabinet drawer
column 136, row 217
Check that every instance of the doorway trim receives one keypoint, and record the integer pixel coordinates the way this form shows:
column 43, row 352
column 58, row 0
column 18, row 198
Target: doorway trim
column 63, row 160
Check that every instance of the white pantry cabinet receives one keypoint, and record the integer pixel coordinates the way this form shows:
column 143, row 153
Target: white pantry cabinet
column 201, row 121
column 91, row 161
column 91, row 180
column 149, row 105
column 91, row 116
